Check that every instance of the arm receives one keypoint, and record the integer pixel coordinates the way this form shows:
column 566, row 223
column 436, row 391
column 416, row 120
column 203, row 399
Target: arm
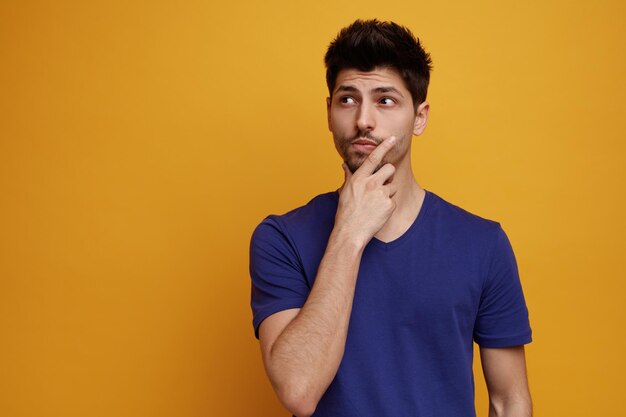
column 505, row 375
column 302, row 348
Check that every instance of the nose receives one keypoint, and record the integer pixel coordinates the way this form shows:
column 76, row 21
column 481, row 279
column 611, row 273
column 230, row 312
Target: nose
column 366, row 118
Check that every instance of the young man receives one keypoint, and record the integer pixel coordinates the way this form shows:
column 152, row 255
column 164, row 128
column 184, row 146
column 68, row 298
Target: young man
column 367, row 300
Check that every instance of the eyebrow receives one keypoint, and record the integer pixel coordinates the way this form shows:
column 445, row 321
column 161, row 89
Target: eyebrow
column 386, row 89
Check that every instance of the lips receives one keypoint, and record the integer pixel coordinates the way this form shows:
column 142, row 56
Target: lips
column 364, row 146
column 367, row 142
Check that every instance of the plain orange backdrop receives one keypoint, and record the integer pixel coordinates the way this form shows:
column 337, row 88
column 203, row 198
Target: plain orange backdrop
column 142, row 141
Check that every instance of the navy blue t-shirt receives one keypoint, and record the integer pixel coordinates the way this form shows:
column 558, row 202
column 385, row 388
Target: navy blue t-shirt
column 420, row 302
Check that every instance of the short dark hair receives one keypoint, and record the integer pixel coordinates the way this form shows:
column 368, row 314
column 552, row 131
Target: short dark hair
column 367, row 44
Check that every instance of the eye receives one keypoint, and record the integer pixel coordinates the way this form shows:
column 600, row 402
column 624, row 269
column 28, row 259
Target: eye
column 346, row 100
column 387, row 101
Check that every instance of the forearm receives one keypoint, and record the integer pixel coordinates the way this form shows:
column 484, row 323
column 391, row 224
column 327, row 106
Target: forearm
column 305, row 357
column 507, row 383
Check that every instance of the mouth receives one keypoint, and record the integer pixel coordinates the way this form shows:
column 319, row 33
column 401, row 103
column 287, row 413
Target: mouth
column 364, row 141
column 364, row 145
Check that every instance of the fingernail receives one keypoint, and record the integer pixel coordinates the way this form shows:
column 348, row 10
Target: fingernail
column 392, row 140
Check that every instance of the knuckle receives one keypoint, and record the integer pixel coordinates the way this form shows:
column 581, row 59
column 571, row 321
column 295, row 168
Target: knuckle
column 370, row 185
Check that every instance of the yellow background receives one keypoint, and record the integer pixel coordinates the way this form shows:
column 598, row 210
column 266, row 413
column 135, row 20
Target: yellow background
column 141, row 142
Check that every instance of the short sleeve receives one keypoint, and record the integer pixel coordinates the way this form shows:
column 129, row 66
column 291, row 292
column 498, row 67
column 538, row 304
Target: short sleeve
column 278, row 279
column 502, row 319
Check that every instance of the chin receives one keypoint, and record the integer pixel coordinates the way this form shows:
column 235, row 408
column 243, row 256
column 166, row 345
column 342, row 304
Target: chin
column 355, row 164
column 352, row 167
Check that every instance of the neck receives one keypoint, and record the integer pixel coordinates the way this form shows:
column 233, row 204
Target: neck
column 409, row 191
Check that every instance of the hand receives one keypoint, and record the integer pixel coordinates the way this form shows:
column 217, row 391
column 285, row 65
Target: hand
column 365, row 202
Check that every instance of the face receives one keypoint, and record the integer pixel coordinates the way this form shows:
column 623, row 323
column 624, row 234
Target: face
column 368, row 107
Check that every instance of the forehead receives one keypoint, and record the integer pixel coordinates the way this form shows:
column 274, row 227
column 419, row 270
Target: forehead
column 369, row 80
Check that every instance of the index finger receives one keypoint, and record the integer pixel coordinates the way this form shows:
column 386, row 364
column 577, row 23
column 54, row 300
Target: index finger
column 376, row 156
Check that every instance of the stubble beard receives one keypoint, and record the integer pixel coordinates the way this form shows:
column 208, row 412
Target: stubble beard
column 355, row 159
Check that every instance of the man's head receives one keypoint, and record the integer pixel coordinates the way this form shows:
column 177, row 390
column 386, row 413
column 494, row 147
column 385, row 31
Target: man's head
column 366, row 45
column 377, row 74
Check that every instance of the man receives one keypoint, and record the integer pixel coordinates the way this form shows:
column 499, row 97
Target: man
column 367, row 300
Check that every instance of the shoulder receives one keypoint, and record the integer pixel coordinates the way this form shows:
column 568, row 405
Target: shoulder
column 458, row 221
column 319, row 208
column 311, row 219
column 483, row 239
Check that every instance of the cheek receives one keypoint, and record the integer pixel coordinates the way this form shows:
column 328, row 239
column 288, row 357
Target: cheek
column 401, row 147
column 402, row 121
column 337, row 122
column 340, row 131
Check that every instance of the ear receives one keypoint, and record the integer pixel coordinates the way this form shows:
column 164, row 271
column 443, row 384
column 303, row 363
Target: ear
column 421, row 116
column 328, row 112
